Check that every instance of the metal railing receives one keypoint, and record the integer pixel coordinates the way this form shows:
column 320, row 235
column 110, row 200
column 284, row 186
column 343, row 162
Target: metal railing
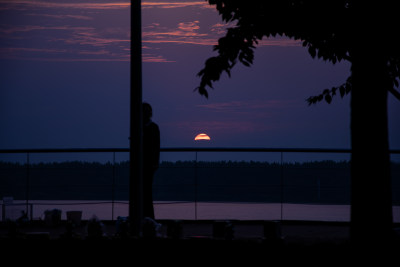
column 279, row 160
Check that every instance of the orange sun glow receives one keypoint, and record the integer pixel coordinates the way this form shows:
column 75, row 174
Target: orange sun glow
column 202, row 136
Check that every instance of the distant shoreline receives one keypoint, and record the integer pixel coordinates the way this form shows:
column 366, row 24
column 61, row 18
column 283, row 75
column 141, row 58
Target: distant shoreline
column 197, row 211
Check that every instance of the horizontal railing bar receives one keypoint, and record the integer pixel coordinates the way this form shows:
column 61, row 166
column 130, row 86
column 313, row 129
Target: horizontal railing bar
column 187, row 149
column 63, row 150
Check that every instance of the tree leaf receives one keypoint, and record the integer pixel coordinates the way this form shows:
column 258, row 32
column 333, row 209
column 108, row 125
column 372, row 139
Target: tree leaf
column 328, row 98
column 348, row 89
column 333, row 91
column 342, row 91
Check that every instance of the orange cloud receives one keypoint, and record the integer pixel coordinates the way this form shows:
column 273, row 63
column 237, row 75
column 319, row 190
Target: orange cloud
column 189, row 26
column 149, row 4
column 154, row 59
column 184, row 33
column 43, row 4
column 103, row 41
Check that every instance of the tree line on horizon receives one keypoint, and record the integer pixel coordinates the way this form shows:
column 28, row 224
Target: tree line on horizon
column 186, row 163
column 324, row 181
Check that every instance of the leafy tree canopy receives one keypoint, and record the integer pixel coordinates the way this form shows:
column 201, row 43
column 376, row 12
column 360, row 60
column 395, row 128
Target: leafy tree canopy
column 333, row 30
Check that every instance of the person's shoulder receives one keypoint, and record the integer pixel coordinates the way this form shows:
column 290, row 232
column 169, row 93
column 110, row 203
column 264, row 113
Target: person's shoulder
column 154, row 125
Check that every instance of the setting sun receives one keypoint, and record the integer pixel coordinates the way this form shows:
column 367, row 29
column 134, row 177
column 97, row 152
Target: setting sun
column 202, row 136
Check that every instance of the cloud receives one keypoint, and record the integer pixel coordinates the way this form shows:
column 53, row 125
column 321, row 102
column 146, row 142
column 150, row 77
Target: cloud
column 224, row 106
column 18, row 4
column 188, row 40
column 28, row 28
column 248, row 106
column 219, row 28
column 61, row 16
column 165, row 4
column 21, row 52
column 183, row 32
column 28, row 4
column 71, row 41
column 283, row 42
column 190, row 33
column 58, row 27
column 100, row 30
column 189, row 26
column 155, row 59
column 237, row 126
column 91, row 38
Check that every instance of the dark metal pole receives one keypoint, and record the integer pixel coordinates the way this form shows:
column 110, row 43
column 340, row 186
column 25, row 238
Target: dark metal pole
column 136, row 131
column 113, row 188
column 282, row 186
column 195, row 189
column 27, row 184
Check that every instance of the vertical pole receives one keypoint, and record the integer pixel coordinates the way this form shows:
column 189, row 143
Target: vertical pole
column 113, row 188
column 27, row 183
column 282, row 185
column 136, row 131
column 195, row 188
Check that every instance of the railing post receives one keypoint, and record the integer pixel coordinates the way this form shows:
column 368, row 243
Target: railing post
column 113, row 188
column 282, row 186
column 27, row 184
column 195, row 187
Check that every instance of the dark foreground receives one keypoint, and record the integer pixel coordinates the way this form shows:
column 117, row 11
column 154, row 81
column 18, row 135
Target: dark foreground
column 193, row 243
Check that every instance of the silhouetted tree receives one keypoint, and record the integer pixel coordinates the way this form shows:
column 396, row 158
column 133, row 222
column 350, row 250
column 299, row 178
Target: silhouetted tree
column 361, row 32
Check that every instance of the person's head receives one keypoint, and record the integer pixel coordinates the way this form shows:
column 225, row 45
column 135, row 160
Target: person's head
column 147, row 111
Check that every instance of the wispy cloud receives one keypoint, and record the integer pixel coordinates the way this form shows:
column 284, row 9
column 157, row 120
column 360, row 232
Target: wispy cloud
column 101, row 29
column 93, row 39
column 189, row 27
column 61, row 16
column 176, row 4
column 9, row 29
column 193, row 41
column 155, row 58
column 219, row 28
column 248, row 106
column 279, row 42
column 73, row 41
column 183, row 32
column 17, row 52
column 224, row 106
column 19, row 4
column 12, row 4
column 238, row 126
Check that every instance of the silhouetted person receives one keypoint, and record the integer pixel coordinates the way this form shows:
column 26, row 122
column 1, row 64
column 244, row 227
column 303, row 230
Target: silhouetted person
column 151, row 156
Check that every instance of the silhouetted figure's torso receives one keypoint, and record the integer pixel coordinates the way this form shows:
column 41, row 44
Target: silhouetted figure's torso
column 151, row 156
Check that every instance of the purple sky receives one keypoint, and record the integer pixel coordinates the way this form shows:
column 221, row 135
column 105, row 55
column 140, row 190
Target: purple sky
column 64, row 79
